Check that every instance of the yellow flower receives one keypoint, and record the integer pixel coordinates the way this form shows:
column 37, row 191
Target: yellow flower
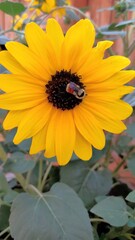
column 62, row 92
column 19, row 21
column 48, row 5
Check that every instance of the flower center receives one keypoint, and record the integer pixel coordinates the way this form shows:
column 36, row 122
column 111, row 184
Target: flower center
column 65, row 90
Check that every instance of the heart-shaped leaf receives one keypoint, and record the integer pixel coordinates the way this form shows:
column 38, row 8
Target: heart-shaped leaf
column 113, row 210
column 57, row 214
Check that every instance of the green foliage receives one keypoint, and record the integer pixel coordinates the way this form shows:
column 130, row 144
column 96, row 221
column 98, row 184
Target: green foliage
column 113, row 210
column 131, row 197
column 18, row 163
column 86, row 182
column 125, row 23
column 11, row 8
column 131, row 130
column 82, row 200
column 57, row 214
column 131, row 163
column 4, row 216
column 4, row 188
column 3, row 155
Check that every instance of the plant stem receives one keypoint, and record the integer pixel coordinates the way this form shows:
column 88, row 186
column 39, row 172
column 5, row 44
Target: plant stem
column 46, row 175
column 7, row 237
column 28, row 178
column 125, row 39
column 106, row 162
column 131, row 48
column 96, row 165
column 40, row 174
column 97, row 220
column 34, row 189
column 123, row 161
column 4, row 231
column 6, row 31
column 119, row 166
column 21, row 180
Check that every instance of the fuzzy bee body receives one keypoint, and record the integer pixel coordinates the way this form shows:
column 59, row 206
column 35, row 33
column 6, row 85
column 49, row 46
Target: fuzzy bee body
column 75, row 90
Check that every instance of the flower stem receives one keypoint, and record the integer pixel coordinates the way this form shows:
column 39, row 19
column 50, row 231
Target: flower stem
column 40, row 174
column 107, row 156
column 46, row 175
column 28, row 178
column 97, row 220
column 33, row 189
column 21, row 180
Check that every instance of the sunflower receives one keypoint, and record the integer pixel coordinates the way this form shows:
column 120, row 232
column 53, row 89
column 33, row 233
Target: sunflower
column 62, row 92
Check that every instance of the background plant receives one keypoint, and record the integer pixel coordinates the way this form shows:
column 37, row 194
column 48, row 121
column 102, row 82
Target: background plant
column 96, row 197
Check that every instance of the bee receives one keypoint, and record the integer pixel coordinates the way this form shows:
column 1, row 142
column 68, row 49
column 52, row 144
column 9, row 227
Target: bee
column 75, row 90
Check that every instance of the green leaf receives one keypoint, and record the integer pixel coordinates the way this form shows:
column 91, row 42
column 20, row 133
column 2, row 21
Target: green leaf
column 131, row 223
column 131, row 130
column 131, row 163
column 114, row 33
column 87, row 183
column 4, row 187
column 113, row 210
column 18, row 163
column 95, row 233
column 11, row 8
column 4, row 216
column 10, row 196
column 131, row 197
column 125, row 23
column 3, row 155
column 57, row 214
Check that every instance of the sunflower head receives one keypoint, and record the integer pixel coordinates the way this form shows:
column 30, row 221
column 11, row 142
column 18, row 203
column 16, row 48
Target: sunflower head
column 63, row 93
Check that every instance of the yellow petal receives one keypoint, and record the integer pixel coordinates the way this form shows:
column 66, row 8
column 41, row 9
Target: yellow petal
column 28, row 60
column 35, row 119
column 116, row 109
column 109, row 95
column 38, row 141
column 101, row 47
column 121, row 91
column 39, row 44
column 79, row 39
column 13, row 119
column 50, row 137
column 21, row 100
column 109, row 118
column 105, row 69
column 91, row 59
column 82, row 148
column 56, row 38
column 11, row 64
column 64, row 136
column 89, row 127
column 113, row 82
column 12, row 83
